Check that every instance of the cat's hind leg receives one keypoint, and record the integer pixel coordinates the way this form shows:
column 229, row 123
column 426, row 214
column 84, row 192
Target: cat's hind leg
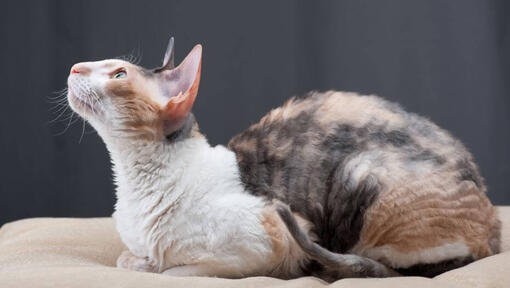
column 336, row 266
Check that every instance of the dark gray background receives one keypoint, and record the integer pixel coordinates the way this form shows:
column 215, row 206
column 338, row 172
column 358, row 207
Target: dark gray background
column 448, row 60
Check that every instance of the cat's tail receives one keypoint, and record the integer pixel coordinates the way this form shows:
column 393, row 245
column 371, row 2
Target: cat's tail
column 337, row 266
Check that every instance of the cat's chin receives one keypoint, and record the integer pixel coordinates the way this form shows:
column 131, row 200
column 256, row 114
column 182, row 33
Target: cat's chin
column 81, row 106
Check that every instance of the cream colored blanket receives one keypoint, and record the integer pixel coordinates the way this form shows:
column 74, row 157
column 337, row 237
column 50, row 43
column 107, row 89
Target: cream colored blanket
column 60, row 252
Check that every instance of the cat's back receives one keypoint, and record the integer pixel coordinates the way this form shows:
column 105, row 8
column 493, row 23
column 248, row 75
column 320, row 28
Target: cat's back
column 373, row 179
column 310, row 136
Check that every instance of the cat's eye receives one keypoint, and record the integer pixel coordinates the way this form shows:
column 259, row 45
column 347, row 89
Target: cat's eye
column 120, row 74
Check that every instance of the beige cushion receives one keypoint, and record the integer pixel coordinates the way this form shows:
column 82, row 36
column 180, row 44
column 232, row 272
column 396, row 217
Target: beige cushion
column 56, row 252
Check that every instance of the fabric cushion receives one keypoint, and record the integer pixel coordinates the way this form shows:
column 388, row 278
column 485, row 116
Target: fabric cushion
column 64, row 252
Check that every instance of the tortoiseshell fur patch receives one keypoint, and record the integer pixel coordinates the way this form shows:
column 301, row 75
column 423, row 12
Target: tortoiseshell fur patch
column 373, row 179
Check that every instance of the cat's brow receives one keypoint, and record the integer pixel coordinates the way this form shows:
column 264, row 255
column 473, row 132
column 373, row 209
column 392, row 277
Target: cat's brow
column 145, row 72
column 113, row 64
column 110, row 64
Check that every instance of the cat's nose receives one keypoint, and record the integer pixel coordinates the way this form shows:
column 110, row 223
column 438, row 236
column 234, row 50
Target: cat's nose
column 80, row 68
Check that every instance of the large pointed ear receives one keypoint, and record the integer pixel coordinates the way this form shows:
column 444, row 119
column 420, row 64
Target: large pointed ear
column 168, row 60
column 180, row 87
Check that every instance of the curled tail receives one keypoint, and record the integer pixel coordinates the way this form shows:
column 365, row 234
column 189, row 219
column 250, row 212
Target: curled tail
column 337, row 266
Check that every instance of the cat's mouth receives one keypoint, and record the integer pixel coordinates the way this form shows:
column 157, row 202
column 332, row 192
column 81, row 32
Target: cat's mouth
column 77, row 103
column 81, row 97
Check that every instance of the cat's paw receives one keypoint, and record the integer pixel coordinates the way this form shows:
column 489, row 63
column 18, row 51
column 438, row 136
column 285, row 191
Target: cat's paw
column 129, row 261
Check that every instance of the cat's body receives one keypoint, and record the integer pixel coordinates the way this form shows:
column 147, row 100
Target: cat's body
column 373, row 180
column 361, row 175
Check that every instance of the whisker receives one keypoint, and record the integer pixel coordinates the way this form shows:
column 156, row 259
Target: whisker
column 82, row 131
column 60, row 92
column 60, row 104
column 66, row 118
column 134, row 57
column 59, row 115
column 59, row 95
column 138, row 56
column 63, row 103
column 57, row 108
column 68, row 124
column 59, row 100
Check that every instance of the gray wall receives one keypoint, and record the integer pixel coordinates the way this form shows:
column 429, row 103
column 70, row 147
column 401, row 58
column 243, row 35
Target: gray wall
column 448, row 60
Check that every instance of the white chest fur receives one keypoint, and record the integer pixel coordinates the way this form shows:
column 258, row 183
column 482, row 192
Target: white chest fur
column 183, row 204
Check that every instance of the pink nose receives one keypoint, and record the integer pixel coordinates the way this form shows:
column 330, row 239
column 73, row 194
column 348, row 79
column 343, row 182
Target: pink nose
column 80, row 68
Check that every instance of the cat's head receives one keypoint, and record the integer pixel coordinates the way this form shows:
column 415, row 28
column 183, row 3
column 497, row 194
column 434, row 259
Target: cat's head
column 121, row 99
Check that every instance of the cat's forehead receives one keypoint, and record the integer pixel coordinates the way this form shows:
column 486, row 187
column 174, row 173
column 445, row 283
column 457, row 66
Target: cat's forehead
column 111, row 63
column 107, row 65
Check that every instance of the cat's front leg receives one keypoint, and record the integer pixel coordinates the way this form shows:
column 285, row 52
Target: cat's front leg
column 202, row 270
column 190, row 270
column 129, row 261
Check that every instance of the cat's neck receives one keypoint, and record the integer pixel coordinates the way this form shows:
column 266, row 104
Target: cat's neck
column 139, row 165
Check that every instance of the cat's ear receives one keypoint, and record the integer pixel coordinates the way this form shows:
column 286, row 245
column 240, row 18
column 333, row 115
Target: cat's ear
column 180, row 86
column 168, row 60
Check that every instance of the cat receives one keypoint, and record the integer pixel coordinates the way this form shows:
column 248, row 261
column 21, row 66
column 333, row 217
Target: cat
column 379, row 189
